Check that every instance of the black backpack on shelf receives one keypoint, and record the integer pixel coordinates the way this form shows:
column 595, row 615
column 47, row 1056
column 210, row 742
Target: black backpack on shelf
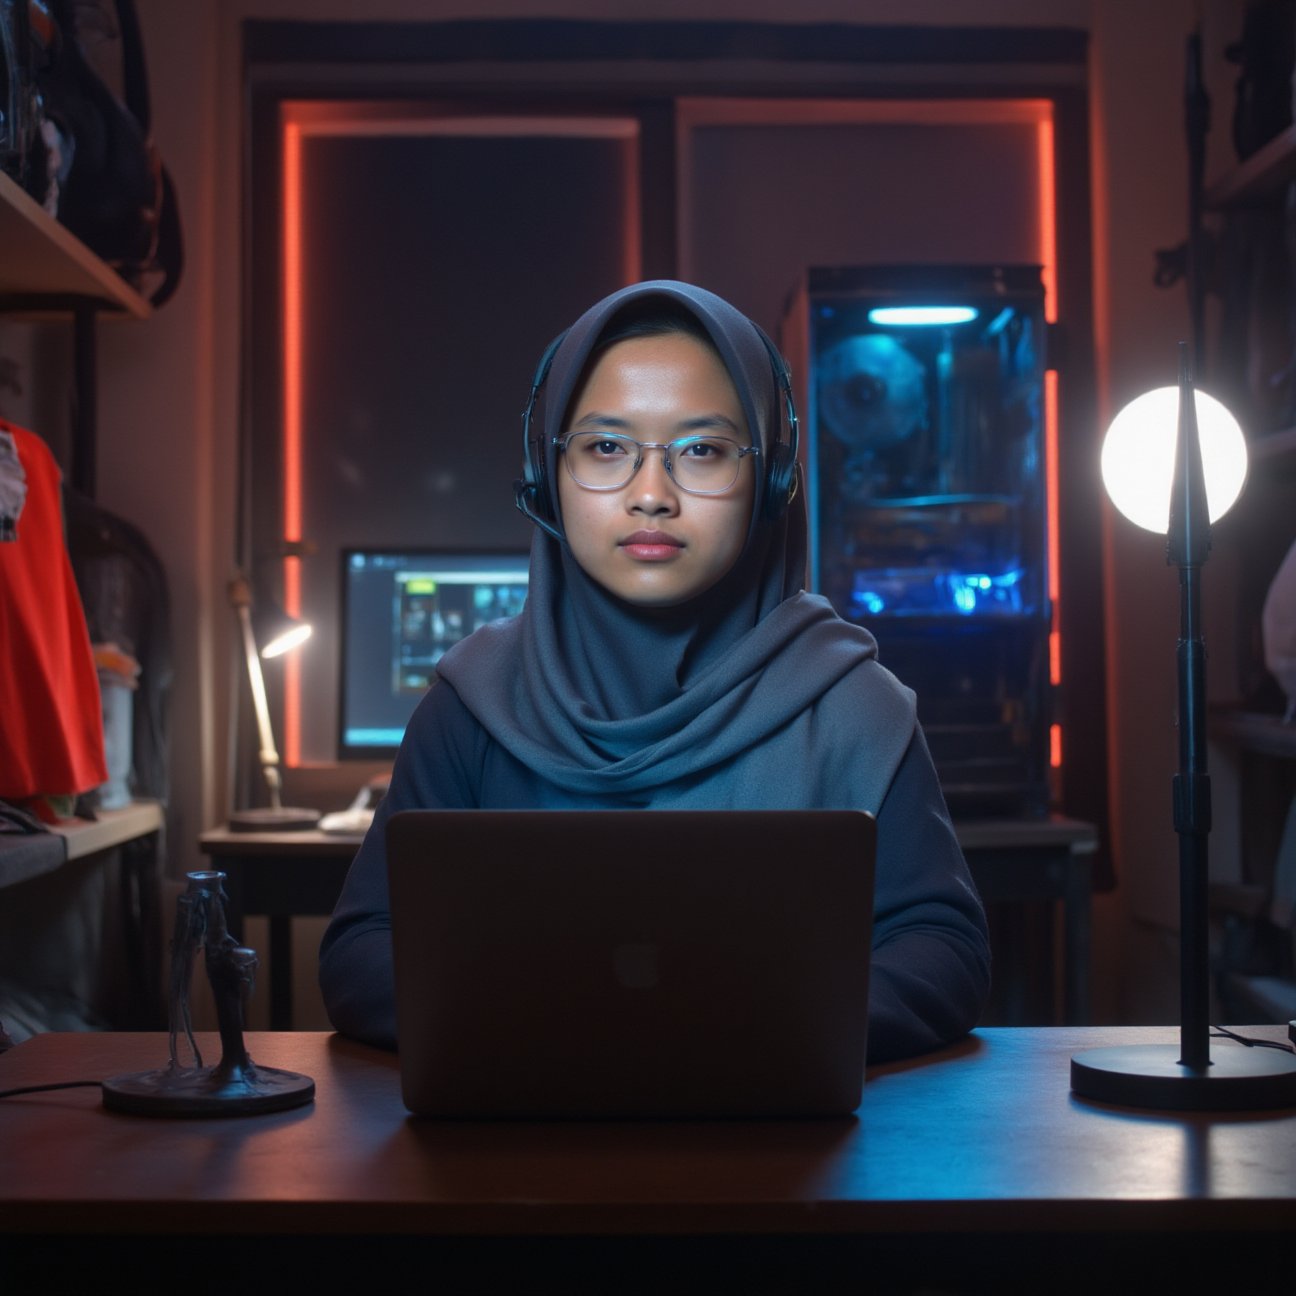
column 23, row 153
column 123, row 588
column 114, row 193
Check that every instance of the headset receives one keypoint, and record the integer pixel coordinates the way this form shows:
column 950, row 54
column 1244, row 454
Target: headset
column 532, row 492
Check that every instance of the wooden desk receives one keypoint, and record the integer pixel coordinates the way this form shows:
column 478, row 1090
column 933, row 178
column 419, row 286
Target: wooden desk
column 973, row 1169
column 282, row 875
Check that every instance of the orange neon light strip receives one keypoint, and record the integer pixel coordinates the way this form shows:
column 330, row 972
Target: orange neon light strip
column 292, row 424
column 1052, row 487
column 293, row 127
column 1047, row 214
column 1048, row 262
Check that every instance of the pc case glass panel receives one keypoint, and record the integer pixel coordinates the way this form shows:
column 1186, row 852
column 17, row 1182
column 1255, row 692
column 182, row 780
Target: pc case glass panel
column 923, row 390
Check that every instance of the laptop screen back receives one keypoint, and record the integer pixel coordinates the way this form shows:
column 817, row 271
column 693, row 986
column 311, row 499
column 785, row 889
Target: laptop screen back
column 631, row 963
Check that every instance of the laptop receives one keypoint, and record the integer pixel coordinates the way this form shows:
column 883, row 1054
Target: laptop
column 624, row 964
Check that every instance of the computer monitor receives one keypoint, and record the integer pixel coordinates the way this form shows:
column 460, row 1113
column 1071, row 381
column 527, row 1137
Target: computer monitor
column 401, row 610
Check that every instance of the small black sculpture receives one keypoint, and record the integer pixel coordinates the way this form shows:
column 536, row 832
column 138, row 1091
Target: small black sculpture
column 234, row 1086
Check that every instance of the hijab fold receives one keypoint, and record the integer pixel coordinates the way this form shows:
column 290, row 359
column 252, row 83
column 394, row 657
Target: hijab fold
column 603, row 697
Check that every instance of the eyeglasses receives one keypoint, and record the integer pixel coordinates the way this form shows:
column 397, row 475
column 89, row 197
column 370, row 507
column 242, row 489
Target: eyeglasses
column 700, row 465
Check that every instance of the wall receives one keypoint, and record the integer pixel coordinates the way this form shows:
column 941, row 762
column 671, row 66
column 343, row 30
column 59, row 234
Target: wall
column 169, row 386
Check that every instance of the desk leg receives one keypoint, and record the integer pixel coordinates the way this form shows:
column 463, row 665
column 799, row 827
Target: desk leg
column 276, row 962
column 1077, row 902
column 281, row 972
column 141, row 911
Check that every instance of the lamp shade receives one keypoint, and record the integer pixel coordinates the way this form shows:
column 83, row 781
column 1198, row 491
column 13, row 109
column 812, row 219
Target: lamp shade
column 278, row 633
column 1138, row 456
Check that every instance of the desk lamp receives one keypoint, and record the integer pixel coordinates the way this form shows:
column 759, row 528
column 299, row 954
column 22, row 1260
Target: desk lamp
column 279, row 636
column 1178, row 484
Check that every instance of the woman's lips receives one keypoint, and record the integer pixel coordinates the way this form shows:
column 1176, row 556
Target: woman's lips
column 651, row 546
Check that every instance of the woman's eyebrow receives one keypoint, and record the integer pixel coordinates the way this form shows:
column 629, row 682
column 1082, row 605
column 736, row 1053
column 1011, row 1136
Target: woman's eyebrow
column 692, row 423
column 700, row 421
column 596, row 420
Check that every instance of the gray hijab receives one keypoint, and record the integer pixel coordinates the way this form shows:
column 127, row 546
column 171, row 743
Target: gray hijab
column 602, row 697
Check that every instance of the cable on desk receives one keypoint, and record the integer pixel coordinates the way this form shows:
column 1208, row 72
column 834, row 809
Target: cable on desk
column 45, row 1088
column 1222, row 1032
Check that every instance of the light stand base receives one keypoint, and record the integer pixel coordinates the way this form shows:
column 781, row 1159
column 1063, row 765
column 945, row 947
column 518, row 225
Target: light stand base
column 1150, row 1075
column 273, row 819
column 207, row 1091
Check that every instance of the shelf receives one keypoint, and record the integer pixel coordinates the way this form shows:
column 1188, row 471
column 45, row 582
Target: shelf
column 110, row 828
column 1267, row 735
column 44, row 267
column 1264, row 173
column 23, row 857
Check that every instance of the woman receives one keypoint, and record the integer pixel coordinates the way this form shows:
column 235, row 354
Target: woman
column 667, row 657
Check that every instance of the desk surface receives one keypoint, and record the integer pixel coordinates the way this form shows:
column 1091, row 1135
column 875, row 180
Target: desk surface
column 307, row 842
column 943, row 1143
column 1051, row 832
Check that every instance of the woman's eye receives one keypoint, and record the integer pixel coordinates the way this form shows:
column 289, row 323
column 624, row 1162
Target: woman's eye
column 606, row 449
column 703, row 449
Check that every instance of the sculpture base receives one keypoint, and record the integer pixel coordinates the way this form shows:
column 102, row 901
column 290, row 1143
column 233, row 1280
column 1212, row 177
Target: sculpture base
column 1151, row 1075
column 207, row 1091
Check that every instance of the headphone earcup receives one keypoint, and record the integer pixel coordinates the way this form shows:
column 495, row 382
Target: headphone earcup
column 535, row 481
column 780, row 482
column 781, row 472
column 533, row 495
column 541, row 496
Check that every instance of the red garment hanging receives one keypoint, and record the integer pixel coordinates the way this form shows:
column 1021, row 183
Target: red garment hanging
column 51, row 722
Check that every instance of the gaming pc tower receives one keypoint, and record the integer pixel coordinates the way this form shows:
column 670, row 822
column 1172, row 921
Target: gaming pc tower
column 921, row 391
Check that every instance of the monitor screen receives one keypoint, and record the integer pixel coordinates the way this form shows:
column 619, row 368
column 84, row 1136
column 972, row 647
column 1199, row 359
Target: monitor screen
column 401, row 610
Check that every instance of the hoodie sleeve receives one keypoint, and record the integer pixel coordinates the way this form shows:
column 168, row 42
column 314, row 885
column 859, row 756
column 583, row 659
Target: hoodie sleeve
column 931, row 952
column 432, row 771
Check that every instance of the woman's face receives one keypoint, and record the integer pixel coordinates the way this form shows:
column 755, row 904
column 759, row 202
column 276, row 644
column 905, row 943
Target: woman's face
column 649, row 542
